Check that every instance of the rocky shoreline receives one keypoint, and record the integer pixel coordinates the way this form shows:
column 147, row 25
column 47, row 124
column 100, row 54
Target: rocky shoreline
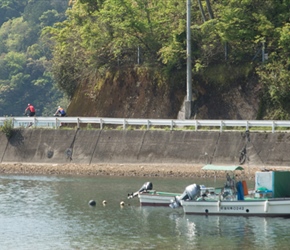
column 140, row 170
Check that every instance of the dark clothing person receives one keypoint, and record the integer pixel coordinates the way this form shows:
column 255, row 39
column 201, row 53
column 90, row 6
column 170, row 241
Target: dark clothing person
column 30, row 109
column 60, row 111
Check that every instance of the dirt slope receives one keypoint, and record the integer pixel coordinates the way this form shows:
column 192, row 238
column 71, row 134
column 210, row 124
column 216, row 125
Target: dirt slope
column 135, row 93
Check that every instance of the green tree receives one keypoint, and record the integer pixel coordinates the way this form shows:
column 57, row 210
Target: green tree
column 10, row 9
column 24, row 62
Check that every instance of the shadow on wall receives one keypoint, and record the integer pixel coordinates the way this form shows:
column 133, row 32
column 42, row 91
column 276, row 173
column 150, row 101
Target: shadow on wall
column 114, row 146
column 17, row 139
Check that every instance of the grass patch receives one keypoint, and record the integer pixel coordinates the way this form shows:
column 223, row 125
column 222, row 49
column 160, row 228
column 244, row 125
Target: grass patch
column 89, row 126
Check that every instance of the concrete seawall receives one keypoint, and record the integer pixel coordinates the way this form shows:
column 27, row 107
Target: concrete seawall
column 132, row 146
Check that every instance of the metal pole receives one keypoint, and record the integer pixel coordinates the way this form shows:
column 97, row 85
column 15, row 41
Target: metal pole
column 188, row 68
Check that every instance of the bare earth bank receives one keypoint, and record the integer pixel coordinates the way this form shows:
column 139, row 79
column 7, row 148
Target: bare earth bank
column 150, row 170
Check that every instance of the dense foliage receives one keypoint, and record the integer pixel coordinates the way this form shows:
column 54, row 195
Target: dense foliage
column 251, row 36
column 24, row 58
column 231, row 40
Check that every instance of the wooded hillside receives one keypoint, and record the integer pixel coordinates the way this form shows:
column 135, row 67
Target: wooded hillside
column 240, row 49
column 25, row 59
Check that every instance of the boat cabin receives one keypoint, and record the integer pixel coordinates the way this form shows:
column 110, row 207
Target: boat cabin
column 272, row 184
column 231, row 189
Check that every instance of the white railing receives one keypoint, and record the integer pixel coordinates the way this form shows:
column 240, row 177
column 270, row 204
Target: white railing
column 55, row 122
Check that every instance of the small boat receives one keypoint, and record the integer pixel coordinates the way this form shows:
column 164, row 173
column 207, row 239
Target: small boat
column 271, row 197
column 149, row 197
column 155, row 198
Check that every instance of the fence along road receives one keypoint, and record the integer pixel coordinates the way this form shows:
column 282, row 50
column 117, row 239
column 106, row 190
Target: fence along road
column 54, row 122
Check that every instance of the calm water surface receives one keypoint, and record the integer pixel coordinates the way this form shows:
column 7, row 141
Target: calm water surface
column 45, row 212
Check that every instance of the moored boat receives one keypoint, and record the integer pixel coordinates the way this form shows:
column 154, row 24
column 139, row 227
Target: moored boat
column 271, row 197
column 155, row 198
column 248, row 207
column 149, row 197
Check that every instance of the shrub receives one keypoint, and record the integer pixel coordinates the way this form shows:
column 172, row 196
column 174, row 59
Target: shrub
column 7, row 128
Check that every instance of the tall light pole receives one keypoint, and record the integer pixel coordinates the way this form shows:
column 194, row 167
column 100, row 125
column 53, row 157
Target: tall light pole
column 188, row 62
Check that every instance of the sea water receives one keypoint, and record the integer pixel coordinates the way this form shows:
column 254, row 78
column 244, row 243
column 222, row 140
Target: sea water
column 52, row 212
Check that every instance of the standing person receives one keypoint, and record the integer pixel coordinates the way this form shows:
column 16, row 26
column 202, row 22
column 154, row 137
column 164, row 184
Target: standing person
column 60, row 111
column 30, row 109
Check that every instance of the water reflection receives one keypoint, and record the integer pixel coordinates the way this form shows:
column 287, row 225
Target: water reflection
column 234, row 232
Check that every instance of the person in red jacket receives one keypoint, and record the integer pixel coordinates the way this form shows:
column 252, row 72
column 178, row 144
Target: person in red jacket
column 30, row 109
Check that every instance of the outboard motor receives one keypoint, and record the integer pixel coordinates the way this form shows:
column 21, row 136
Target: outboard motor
column 146, row 186
column 191, row 192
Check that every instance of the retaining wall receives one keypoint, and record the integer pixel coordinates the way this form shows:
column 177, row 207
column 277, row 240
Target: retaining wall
column 132, row 146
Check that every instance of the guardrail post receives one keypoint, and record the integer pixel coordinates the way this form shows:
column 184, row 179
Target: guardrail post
column 171, row 126
column 148, row 124
column 221, row 126
column 101, row 124
column 273, row 127
column 124, row 124
column 196, row 125
column 55, row 123
column 247, row 125
column 78, row 123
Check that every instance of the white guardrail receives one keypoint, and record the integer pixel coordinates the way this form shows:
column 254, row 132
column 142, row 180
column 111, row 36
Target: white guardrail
column 55, row 122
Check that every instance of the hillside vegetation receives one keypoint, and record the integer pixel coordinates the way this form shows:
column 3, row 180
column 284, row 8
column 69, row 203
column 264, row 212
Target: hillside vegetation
column 240, row 52
column 25, row 59
column 127, row 58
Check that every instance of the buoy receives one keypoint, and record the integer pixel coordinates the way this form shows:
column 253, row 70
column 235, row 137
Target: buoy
column 92, row 203
column 122, row 203
column 104, row 202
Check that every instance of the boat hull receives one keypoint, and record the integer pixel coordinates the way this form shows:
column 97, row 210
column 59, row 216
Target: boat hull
column 160, row 199
column 253, row 207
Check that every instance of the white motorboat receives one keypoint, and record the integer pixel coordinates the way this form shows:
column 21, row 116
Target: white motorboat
column 155, row 198
column 149, row 197
column 248, row 207
column 271, row 197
